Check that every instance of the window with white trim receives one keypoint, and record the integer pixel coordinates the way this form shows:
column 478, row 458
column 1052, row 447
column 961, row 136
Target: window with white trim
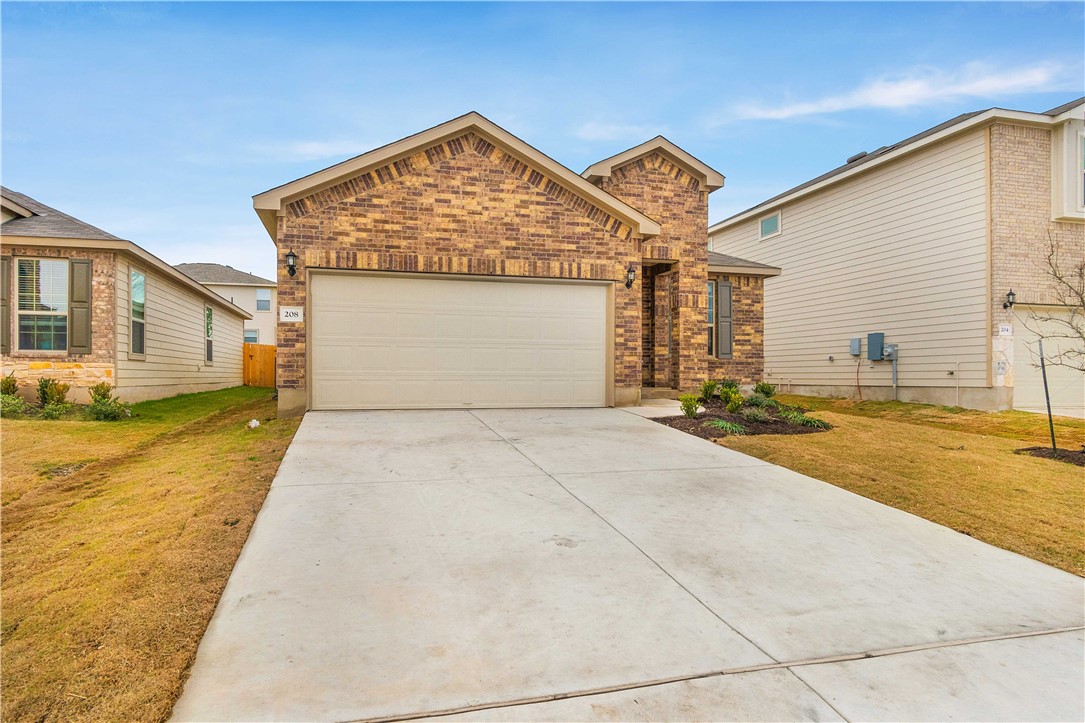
column 42, row 311
column 263, row 299
column 139, row 314
column 209, row 332
column 252, row 336
column 770, row 226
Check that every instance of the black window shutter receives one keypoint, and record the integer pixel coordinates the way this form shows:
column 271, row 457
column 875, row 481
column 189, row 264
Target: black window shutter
column 5, row 304
column 724, row 333
column 79, row 298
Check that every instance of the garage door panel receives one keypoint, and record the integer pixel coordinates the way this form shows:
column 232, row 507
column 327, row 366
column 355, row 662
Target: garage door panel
column 403, row 342
column 1066, row 386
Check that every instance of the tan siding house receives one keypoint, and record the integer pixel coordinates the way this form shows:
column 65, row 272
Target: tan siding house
column 147, row 329
column 252, row 293
column 921, row 241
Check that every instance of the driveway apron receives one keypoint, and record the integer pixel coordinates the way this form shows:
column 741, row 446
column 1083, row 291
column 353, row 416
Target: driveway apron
column 592, row 564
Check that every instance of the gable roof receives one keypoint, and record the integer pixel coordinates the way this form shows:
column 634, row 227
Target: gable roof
column 37, row 219
column 865, row 161
column 733, row 264
column 270, row 204
column 708, row 176
column 207, row 273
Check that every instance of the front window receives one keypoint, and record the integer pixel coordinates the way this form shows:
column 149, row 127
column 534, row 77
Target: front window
column 43, row 304
column 711, row 318
column 252, row 336
column 263, row 299
column 139, row 313
column 209, row 332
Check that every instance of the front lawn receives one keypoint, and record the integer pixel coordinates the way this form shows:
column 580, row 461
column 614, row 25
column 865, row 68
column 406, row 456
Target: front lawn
column 956, row 467
column 118, row 538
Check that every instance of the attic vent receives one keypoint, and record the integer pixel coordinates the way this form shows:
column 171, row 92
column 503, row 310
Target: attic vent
column 856, row 157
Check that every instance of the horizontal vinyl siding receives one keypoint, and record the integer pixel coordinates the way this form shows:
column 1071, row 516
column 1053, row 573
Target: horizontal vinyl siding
column 900, row 250
column 174, row 338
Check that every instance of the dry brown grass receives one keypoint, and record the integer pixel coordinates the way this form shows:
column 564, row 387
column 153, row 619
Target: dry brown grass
column 956, row 468
column 111, row 573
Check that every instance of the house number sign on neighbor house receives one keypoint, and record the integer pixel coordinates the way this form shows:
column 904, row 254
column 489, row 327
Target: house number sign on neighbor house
column 291, row 313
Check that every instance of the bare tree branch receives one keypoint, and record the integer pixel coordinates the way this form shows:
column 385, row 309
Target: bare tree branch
column 1064, row 323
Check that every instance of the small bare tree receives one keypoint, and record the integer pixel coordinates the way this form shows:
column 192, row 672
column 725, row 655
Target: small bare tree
column 1067, row 276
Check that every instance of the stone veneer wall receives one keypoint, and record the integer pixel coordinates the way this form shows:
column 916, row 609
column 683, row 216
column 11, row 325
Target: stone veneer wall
column 747, row 362
column 666, row 193
column 78, row 370
column 462, row 206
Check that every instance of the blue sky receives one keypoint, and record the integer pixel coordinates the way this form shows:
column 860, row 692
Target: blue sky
column 158, row 122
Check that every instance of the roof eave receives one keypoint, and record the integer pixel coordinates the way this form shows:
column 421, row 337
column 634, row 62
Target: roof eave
column 745, row 270
column 270, row 204
column 972, row 123
column 710, row 177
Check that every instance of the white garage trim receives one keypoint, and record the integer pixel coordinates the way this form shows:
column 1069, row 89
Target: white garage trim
column 391, row 327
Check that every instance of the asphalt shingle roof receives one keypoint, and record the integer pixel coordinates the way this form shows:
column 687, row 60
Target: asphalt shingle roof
column 220, row 274
column 47, row 222
column 716, row 259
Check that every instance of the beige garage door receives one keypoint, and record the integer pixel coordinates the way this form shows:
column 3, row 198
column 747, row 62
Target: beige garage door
column 1067, row 386
column 390, row 342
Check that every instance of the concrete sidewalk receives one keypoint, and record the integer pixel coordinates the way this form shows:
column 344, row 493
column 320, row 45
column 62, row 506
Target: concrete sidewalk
column 592, row 564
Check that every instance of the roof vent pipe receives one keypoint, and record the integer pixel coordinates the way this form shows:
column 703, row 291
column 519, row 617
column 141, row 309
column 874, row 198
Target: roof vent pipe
column 856, row 157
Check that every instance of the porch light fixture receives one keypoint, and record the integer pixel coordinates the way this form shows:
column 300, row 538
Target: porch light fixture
column 630, row 276
column 291, row 262
column 1010, row 299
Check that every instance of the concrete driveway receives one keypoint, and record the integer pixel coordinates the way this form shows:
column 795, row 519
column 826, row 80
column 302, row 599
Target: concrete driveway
column 594, row 565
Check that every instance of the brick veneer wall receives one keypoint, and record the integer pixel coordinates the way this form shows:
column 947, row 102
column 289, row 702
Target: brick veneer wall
column 665, row 192
column 747, row 362
column 462, row 206
column 1021, row 218
column 79, row 370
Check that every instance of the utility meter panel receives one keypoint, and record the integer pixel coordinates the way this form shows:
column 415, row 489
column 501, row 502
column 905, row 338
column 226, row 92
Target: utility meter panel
column 875, row 346
column 855, row 345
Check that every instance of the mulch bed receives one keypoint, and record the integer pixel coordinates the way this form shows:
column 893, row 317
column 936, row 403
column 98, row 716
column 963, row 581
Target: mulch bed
column 1063, row 455
column 716, row 410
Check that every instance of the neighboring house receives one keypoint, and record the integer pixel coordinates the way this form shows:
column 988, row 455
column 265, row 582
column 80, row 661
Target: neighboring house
column 922, row 241
column 252, row 293
column 462, row 268
column 82, row 306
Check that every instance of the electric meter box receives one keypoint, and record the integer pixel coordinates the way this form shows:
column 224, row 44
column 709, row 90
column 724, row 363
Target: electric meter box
column 855, row 345
column 875, row 346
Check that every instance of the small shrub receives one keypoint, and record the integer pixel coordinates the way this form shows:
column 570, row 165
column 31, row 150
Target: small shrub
column 764, row 389
column 728, row 384
column 709, row 388
column 50, row 391
column 735, row 402
column 55, row 410
column 689, row 404
column 9, row 385
column 101, row 392
column 760, row 400
column 755, row 414
column 795, row 417
column 11, row 405
column 727, row 427
column 109, row 410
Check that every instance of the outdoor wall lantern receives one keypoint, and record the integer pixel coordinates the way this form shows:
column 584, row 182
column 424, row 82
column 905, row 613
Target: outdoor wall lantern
column 291, row 262
column 630, row 276
column 1010, row 299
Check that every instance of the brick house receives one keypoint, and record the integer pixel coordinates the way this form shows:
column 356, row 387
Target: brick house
column 922, row 241
column 460, row 267
column 82, row 306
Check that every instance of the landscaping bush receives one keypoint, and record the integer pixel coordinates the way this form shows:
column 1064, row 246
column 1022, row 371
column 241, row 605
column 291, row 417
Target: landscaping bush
column 104, row 407
column 760, row 400
column 56, row 410
column 755, row 414
column 9, row 385
column 795, row 417
column 689, row 404
column 764, row 389
column 728, row 384
column 709, row 388
column 735, row 402
column 11, row 405
column 101, row 392
column 50, row 391
column 724, row 426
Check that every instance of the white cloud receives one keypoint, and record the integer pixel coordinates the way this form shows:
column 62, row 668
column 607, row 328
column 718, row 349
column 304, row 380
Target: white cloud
column 922, row 87
column 596, row 131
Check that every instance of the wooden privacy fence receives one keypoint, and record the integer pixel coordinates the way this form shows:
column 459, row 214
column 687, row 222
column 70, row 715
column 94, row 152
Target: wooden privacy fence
column 259, row 365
